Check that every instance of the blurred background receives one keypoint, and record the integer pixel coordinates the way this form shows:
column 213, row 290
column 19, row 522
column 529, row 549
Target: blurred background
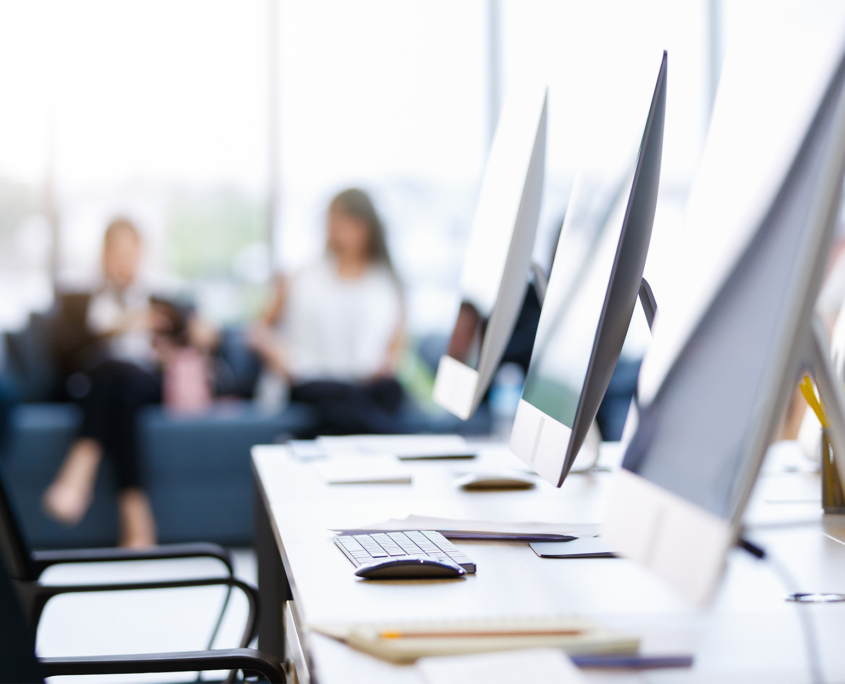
column 223, row 127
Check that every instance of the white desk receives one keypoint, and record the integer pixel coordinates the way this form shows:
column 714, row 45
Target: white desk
column 749, row 635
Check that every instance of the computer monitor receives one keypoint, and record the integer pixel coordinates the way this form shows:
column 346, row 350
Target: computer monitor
column 730, row 340
column 585, row 319
column 495, row 274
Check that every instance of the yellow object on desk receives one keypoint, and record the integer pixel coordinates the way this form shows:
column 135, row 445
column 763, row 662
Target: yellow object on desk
column 815, row 403
column 407, row 641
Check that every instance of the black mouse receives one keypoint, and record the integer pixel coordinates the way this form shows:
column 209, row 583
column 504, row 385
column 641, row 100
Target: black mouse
column 411, row 567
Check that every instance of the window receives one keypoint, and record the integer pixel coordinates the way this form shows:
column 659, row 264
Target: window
column 388, row 96
column 166, row 110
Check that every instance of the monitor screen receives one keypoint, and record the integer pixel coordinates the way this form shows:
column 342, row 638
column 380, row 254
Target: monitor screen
column 465, row 344
column 703, row 436
column 574, row 300
column 710, row 383
column 728, row 338
column 512, row 184
column 593, row 287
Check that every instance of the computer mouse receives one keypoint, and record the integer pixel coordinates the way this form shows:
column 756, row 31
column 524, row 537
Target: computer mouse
column 411, row 567
column 494, row 480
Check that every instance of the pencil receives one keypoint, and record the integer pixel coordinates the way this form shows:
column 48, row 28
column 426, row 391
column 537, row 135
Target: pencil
column 810, row 395
column 489, row 633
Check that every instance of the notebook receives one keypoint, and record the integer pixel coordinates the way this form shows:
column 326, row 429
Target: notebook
column 404, row 642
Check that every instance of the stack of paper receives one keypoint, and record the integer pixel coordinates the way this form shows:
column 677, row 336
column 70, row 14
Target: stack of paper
column 404, row 642
column 480, row 529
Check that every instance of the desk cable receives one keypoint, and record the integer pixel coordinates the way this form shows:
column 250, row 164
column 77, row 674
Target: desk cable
column 808, row 627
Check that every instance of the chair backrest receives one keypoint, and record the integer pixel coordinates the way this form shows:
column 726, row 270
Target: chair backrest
column 17, row 643
column 14, row 551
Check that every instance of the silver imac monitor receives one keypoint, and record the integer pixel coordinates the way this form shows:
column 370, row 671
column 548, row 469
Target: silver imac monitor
column 588, row 306
column 730, row 341
column 495, row 274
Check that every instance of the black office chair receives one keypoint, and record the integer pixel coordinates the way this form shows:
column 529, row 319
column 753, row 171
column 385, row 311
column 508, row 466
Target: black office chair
column 25, row 567
column 19, row 664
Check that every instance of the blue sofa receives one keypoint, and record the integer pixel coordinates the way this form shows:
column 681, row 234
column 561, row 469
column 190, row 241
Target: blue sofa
column 197, row 467
column 198, row 471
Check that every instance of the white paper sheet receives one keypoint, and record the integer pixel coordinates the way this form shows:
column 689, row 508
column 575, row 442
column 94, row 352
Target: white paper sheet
column 398, row 445
column 363, row 470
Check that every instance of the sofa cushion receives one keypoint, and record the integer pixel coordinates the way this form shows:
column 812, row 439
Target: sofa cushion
column 30, row 363
column 40, row 436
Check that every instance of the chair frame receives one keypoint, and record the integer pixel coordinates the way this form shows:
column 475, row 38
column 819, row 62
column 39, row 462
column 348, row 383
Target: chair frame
column 26, row 567
column 245, row 659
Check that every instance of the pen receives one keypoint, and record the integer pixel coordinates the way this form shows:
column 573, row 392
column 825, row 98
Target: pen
column 480, row 633
column 631, row 662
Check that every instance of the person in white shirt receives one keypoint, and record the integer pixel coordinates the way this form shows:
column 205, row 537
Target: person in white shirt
column 334, row 330
column 121, row 316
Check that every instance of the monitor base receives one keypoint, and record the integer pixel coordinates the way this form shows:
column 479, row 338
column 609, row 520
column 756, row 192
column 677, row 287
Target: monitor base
column 581, row 547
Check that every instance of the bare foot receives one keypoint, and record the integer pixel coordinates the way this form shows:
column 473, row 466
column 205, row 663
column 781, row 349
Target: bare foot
column 137, row 524
column 67, row 499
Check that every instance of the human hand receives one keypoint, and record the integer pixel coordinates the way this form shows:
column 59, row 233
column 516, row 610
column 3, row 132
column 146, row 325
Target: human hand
column 260, row 337
column 147, row 319
column 202, row 334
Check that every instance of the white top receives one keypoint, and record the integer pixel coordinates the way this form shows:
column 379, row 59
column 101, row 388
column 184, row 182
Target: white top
column 340, row 328
column 108, row 308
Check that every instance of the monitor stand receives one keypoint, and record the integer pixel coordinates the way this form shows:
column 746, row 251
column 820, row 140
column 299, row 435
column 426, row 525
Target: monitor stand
column 648, row 302
column 580, row 547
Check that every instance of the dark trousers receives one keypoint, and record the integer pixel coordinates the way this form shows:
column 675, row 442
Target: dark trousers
column 119, row 390
column 352, row 408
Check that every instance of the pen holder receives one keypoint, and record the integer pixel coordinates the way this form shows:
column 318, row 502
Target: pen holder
column 833, row 498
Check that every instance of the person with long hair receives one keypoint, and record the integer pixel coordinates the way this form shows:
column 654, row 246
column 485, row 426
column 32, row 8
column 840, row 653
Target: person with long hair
column 334, row 330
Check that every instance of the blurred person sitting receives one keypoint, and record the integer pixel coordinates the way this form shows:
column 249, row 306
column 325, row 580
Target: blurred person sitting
column 136, row 334
column 334, row 330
